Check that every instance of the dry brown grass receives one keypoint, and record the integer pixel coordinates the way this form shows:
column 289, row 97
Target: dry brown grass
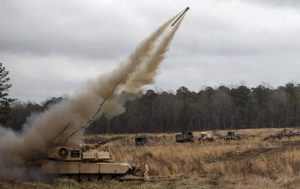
column 176, row 165
column 211, row 182
column 176, row 160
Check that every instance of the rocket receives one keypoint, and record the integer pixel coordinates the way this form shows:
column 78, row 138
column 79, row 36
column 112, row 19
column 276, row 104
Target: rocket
column 185, row 10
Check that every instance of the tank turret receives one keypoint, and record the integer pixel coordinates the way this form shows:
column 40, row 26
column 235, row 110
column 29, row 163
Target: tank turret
column 81, row 153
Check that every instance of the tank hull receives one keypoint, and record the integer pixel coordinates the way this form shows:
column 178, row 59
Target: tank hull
column 87, row 168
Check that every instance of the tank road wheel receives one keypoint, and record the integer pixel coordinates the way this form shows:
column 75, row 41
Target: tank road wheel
column 74, row 177
column 106, row 177
column 100, row 177
column 94, row 177
column 118, row 177
column 65, row 176
column 84, row 177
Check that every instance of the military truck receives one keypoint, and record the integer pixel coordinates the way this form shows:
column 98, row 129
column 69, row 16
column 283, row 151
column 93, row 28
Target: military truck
column 185, row 137
column 204, row 136
column 232, row 136
column 140, row 140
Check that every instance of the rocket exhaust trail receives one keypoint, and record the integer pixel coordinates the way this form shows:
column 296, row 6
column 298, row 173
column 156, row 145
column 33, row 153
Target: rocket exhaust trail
column 144, row 47
column 146, row 73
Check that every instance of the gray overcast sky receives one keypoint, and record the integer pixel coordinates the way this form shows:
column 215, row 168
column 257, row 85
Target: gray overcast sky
column 53, row 47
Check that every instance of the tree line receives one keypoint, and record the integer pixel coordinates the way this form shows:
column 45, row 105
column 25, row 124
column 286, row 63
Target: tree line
column 185, row 110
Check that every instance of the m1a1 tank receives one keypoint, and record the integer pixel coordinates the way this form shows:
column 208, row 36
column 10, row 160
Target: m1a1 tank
column 83, row 162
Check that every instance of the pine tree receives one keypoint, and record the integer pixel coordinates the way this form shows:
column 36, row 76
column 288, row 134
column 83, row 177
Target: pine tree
column 5, row 101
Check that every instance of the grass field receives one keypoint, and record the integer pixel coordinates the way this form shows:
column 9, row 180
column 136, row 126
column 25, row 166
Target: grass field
column 226, row 182
column 250, row 155
column 247, row 163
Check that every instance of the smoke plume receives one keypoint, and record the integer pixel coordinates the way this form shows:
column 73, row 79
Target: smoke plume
column 55, row 124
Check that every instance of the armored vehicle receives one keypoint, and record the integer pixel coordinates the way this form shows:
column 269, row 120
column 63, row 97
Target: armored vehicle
column 232, row 136
column 83, row 162
column 140, row 140
column 185, row 137
column 206, row 137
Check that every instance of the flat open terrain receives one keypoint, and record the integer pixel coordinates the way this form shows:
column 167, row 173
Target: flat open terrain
column 247, row 163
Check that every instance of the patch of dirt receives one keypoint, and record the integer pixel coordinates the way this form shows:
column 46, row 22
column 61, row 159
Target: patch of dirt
column 283, row 146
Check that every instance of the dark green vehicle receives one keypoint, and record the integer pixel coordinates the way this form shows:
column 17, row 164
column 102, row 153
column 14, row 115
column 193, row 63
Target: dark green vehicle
column 185, row 137
column 232, row 136
column 140, row 140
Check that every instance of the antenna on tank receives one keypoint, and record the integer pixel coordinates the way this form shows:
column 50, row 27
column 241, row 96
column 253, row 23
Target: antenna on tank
column 91, row 119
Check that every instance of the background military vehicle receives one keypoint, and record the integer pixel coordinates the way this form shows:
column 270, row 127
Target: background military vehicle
column 140, row 140
column 185, row 137
column 232, row 136
column 204, row 136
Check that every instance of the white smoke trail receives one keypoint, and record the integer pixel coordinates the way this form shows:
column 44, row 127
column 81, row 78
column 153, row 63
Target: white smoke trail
column 147, row 71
